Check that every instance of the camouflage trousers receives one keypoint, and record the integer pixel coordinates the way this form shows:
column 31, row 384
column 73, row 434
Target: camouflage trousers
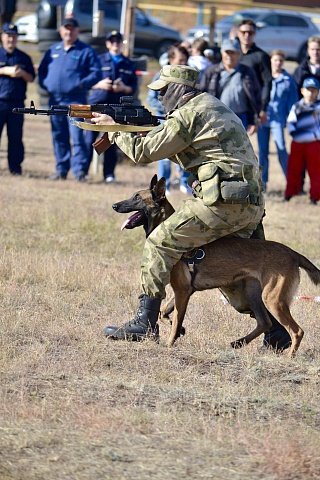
column 192, row 225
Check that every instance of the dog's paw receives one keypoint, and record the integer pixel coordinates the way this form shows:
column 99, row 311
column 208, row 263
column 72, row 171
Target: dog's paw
column 182, row 331
column 238, row 343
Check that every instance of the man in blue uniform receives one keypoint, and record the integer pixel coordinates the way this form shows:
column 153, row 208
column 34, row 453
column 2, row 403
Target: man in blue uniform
column 67, row 71
column 118, row 79
column 16, row 70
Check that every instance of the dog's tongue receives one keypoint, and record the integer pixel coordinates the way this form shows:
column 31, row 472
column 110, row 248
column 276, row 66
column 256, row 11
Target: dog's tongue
column 130, row 220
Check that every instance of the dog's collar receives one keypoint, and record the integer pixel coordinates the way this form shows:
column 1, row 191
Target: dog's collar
column 193, row 257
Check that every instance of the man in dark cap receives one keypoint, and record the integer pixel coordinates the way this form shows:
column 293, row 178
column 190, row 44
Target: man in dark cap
column 236, row 85
column 67, row 71
column 118, row 79
column 16, row 70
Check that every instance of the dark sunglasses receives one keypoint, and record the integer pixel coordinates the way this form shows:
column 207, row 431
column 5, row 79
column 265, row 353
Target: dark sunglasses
column 249, row 32
column 115, row 40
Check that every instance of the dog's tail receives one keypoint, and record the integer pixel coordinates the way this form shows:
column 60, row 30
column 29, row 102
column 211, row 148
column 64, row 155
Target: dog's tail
column 312, row 271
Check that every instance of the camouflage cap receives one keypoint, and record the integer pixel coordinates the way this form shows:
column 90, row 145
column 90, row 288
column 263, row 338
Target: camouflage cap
column 176, row 74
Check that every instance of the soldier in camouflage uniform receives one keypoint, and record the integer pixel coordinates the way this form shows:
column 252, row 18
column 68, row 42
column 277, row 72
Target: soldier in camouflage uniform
column 207, row 139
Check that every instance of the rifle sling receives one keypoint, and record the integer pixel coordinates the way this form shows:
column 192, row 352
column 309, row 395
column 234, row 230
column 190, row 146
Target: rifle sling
column 103, row 143
column 117, row 127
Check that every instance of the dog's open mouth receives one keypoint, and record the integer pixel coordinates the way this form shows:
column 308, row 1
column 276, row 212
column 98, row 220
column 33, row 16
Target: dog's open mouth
column 135, row 220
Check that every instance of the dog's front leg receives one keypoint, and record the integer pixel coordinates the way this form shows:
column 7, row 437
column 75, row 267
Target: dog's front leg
column 178, row 316
column 254, row 296
column 182, row 294
column 167, row 308
column 174, row 334
column 180, row 280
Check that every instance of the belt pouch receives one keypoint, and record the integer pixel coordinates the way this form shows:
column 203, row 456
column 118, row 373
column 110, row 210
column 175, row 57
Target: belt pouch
column 235, row 191
column 208, row 175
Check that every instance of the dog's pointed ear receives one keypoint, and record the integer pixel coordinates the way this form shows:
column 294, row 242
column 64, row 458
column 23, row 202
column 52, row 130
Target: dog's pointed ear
column 160, row 189
column 153, row 182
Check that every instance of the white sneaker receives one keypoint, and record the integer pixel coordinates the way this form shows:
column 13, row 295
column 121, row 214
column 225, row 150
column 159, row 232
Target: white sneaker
column 183, row 189
column 110, row 179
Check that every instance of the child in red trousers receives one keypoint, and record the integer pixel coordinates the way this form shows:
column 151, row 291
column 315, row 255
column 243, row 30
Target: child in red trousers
column 304, row 127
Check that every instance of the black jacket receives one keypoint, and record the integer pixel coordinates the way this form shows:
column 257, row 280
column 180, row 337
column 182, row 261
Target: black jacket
column 210, row 82
column 259, row 60
column 302, row 72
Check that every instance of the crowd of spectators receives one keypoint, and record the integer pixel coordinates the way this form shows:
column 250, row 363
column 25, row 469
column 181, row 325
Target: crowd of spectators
column 265, row 97
column 253, row 84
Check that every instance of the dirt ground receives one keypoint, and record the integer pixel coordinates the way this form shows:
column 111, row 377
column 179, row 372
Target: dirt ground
column 74, row 406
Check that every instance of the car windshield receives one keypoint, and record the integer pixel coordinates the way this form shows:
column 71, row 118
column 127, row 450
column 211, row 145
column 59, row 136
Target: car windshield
column 237, row 17
column 113, row 8
column 87, row 7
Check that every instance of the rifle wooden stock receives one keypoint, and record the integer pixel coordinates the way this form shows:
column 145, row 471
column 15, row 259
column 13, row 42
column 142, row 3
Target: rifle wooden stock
column 80, row 111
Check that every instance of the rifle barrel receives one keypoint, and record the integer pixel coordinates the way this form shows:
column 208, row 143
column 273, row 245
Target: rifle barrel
column 54, row 110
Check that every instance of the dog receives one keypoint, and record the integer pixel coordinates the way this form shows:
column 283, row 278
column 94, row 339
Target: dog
column 255, row 275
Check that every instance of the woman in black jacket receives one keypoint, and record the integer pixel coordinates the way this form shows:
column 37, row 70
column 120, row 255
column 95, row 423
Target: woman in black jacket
column 310, row 66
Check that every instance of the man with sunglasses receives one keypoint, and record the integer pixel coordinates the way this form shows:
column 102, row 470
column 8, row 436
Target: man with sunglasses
column 259, row 60
column 118, row 79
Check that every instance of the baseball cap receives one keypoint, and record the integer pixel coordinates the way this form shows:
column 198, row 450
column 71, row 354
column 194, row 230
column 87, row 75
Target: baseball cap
column 311, row 82
column 176, row 74
column 232, row 44
column 10, row 28
column 70, row 21
column 114, row 33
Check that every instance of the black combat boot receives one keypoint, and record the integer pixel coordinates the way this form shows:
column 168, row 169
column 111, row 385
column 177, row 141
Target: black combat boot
column 277, row 336
column 144, row 324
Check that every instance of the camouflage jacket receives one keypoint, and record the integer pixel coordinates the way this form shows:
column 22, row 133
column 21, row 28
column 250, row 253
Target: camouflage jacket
column 201, row 131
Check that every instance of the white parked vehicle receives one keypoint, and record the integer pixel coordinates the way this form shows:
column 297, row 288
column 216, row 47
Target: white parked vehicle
column 276, row 29
column 28, row 28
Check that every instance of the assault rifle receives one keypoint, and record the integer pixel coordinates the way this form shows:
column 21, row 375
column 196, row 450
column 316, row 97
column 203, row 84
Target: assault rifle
column 124, row 113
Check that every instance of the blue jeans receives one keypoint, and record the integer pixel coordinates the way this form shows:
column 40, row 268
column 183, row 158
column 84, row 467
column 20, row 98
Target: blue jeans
column 14, row 124
column 164, row 170
column 68, row 156
column 263, row 141
column 110, row 156
column 244, row 119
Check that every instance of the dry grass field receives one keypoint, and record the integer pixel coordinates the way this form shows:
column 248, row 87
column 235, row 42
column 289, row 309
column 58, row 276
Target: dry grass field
column 78, row 407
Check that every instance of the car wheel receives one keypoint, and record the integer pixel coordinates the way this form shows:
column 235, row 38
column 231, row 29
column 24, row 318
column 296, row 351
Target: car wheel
column 43, row 97
column 49, row 35
column 303, row 53
column 44, row 45
column 98, row 43
column 47, row 15
column 163, row 47
column 90, row 40
column 141, row 62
